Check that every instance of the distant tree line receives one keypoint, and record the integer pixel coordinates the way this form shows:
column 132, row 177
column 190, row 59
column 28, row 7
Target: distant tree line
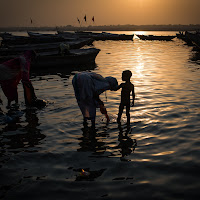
column 128, row 27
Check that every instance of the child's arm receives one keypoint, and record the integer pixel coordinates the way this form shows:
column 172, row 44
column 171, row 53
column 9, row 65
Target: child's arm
column 118, row 87
column 133, row 96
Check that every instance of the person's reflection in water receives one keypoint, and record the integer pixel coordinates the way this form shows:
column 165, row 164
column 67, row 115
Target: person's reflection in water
column 33, row 133
column 30, row 137
column 126, row 144
column 89, row 142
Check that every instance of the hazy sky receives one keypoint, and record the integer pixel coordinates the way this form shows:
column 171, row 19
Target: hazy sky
column 106, row 12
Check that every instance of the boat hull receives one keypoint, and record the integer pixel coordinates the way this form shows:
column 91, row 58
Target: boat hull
column 194, row 38
column 76, row 57
column 155, row 37
column 43, row 47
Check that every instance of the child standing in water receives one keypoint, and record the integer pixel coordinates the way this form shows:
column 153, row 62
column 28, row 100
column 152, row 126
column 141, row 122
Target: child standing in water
column 127, row 88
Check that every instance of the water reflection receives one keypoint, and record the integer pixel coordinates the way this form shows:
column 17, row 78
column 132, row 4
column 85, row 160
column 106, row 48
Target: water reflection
column 195, row 57
column 89, row 141
column 33, row 133
column 18, row 138
column 97, row 141
column 126, row 144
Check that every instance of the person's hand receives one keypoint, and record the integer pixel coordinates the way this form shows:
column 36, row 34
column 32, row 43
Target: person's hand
column 132, row 104
column 107, row 117
column 103, row 109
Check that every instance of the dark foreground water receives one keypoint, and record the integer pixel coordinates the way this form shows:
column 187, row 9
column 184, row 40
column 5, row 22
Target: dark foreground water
column 43, row 153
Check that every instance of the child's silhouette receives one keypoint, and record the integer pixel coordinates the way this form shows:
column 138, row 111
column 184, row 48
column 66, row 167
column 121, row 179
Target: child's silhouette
column 127, row 88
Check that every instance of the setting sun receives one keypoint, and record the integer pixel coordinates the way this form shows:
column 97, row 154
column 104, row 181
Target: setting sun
column 112, row 12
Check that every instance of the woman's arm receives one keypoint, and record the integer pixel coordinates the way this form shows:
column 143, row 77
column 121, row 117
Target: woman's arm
column 102, row 107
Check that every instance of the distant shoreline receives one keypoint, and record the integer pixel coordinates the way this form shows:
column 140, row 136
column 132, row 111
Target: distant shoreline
column 191, row 27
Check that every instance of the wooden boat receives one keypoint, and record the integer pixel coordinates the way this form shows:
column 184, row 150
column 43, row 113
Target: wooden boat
column 19, row 40
column 43, row 47
column 112, row 36
column 40, row 35
column 194, row 38
column 67, row 34
column 182, row 36
column 5, row 34
column 156, row 37
column 76, row 57
column 105, row 36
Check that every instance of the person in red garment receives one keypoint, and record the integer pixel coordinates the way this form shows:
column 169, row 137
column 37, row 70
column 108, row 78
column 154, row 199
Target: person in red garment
column 14, row 70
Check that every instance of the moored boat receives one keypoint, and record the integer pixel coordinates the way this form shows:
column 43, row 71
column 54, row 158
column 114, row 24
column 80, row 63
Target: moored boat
column 182, row 36
column 97, row 36
column 194, row 38
column 43, row 47
column 5, row 34
column 19, row 40
column 112, row 36
column 36, row 35
column 156, row 37
column 75, row 57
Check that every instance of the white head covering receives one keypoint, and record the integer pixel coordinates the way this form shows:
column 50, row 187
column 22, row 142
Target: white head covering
column 112, row 82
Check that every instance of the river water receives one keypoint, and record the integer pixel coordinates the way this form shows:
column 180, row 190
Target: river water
column 43, row 153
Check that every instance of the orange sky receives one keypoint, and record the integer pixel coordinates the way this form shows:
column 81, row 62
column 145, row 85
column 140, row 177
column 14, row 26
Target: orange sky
column 106, row 12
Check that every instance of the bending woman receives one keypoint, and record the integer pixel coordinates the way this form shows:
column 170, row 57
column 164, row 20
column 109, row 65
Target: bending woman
column 87, row 87
column 14, row 70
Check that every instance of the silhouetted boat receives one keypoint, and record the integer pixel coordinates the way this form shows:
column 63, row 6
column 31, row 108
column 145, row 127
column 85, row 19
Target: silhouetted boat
column 18, row 49
column 40, row 35
column 194, row 38
column 45, row 39
column 75, row 57
column 49, row 36
column 19, row 40
column 182, row 36
column 112, row 36
column 5, row 34
column 96, row 36
column 68, row 34
column 156, row 37
column 104, row 36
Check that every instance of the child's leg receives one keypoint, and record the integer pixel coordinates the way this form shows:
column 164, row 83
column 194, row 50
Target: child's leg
column 85, row 122
column 128, row 114
column 121, row 108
